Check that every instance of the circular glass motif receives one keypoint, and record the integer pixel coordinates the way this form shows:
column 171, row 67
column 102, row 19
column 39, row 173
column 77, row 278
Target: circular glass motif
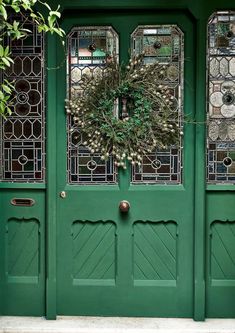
column 156, row 164
column 91, row 165
column 216, row 99
column 157, row 45
column 34, row 97
column 22, row 159
column 228, row 98
column 230, row 34
column 22, row 97
column 172, row 73
column 227, row 161
column 228, row 111
column 22, row 85
column 92, row 47
column 22, row 109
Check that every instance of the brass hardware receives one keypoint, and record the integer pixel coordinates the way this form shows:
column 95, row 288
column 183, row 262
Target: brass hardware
column 63, row 194
column 22, row 202
column 124, row 206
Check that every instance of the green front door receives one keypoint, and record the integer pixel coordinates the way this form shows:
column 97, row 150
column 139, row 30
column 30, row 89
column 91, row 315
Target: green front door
column 139, row 263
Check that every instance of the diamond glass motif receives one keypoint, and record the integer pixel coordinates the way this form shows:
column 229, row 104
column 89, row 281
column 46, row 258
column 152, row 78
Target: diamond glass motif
column 221, row 98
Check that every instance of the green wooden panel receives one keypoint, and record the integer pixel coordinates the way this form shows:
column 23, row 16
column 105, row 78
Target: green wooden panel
column 93, row 250
column 220, row 263
column 222, row 251
column 22, row 247
column 22, row 231
column 155, row 251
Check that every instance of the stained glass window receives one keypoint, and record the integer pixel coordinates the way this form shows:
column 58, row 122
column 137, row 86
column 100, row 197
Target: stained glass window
column 23, row 133
column 89, row 50
column 221, row 98
column 165, row 44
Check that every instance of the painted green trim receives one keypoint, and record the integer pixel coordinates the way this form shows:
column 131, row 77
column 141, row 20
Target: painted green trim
column 2, row 255
column 222, row 187
column 20, row 186
column 200, row 167
column 160, row 188
column 51, row 182
column 199, row 9
column 97, row 188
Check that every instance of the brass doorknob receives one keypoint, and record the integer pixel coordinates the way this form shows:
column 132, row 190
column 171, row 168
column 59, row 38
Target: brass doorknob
column 124, row 206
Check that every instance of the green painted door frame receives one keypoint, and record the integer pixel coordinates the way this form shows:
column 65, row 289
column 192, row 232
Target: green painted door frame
column 213, row 205
column 200, row 12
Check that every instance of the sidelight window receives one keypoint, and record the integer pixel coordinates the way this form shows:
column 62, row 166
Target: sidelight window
column 221, row 98
column 23, row 132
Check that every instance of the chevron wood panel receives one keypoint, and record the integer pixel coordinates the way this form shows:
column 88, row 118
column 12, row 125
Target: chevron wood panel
column 223, row 250
column 155, row 252
column 23, row 247
column 93, row 250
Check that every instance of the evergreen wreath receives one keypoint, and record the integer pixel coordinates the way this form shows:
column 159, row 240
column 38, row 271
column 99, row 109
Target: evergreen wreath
column 147, row 118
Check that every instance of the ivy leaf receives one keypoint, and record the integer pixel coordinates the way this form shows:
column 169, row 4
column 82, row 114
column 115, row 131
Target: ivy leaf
column 3, row 12
column 1, row 51
column 6, row 88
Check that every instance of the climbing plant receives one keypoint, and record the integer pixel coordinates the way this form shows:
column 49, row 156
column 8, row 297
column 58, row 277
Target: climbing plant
column 41, row 14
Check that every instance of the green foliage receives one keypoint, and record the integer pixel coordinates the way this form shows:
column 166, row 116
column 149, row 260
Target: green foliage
column 15, row 30
column 147, row 118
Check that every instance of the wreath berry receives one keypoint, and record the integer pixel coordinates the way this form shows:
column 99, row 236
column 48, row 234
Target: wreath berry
column 126, row 111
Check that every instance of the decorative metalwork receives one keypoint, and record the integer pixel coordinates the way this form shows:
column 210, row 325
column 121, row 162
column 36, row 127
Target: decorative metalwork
column 89, row 50
column 23, row 133
column 165, row 44
column 221, row 98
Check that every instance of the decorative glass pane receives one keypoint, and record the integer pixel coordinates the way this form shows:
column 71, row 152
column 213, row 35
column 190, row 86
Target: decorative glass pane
column 165, row 44
column 23, row 133
column 89, row 50
column 221, row 98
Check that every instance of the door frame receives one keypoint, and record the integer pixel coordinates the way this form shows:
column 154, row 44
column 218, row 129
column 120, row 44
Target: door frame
column 200, row 12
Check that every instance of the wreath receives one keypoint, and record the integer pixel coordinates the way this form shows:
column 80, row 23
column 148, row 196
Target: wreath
column 126, row 111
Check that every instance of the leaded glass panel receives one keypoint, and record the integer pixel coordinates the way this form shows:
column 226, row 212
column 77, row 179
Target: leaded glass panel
column 221, row 98
column 165, row 44
column 23, row 133
column 89, row 50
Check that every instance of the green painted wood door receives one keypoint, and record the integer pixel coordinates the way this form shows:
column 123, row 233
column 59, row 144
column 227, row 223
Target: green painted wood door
column 140, row 263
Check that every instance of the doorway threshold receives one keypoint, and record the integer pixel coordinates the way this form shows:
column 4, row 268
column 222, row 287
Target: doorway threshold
column 10, row 324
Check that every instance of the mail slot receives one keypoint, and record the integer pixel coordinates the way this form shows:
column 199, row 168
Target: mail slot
column 22, row 202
